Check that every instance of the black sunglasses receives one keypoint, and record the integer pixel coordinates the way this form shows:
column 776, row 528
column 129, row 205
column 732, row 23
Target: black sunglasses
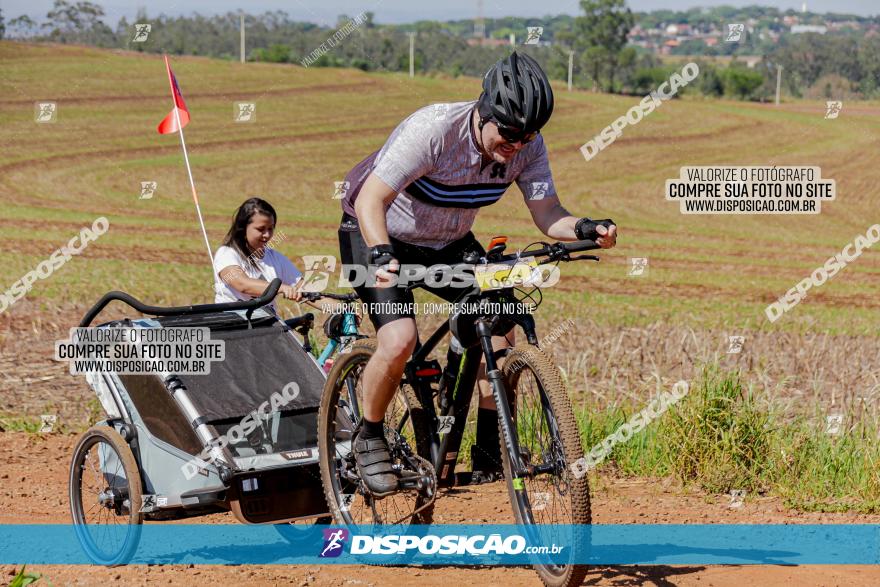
column 514, row 135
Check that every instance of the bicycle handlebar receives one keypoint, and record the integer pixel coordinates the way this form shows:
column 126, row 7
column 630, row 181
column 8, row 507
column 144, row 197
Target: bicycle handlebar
column 313, row 296
column 268, row 295
column 555, row 251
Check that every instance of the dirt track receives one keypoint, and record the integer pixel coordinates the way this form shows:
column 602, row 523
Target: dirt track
column 33, row 486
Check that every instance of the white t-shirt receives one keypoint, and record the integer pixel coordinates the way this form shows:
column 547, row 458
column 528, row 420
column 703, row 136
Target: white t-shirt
column 272, row 265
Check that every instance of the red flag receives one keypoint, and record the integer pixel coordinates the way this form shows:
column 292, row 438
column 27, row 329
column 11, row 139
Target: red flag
column 169, row 123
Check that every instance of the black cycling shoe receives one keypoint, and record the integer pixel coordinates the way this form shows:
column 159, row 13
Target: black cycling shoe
column 486, row 468
column 480, row 477
column 373, row 459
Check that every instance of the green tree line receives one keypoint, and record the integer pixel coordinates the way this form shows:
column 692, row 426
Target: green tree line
column 814, row 65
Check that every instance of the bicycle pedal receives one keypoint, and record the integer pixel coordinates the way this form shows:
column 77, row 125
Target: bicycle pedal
column 409, row 480
column 414, row 475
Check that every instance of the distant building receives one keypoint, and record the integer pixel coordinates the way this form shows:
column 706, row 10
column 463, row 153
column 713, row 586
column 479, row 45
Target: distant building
column 668, row 46
column 678, row 29
column 847, row 24
column 808, row 28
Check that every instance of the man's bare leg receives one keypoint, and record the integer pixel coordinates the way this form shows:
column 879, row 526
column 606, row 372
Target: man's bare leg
column 381, row 378
column 385, row 368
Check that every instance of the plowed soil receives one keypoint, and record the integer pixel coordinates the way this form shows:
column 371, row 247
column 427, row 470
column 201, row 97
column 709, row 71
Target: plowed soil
column 33, row 489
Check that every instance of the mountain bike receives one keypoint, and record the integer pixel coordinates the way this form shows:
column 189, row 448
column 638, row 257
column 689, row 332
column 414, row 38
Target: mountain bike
column 426, row 419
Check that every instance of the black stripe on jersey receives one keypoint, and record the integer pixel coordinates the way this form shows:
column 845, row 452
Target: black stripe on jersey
column 456, row 196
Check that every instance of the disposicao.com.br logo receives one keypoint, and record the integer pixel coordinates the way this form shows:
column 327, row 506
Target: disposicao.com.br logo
column 474, row 545
column 334, row 542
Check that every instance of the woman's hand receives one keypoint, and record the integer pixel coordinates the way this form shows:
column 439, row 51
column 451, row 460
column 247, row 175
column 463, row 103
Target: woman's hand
column 290, row 292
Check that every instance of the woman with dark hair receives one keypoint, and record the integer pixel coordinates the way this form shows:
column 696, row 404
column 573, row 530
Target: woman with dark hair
column 244, row 265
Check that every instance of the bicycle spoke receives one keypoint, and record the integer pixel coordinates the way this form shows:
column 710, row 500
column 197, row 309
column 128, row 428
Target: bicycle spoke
column 363, row 509
column 546, row 493
column 101, row 485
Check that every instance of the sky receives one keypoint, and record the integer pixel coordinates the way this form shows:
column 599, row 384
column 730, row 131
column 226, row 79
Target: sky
column 401, row 11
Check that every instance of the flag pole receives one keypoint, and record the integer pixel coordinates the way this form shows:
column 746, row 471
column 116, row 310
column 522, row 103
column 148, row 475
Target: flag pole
column 188, row 168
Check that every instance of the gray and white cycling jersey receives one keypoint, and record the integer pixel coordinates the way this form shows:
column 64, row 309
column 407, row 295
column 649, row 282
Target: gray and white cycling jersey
column 432, row 160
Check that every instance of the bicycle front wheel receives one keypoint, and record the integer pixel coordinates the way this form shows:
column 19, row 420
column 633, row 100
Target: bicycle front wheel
column 338, row 417
column 549, row 441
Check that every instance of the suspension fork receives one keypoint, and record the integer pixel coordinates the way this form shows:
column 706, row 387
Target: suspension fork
column 496, row 380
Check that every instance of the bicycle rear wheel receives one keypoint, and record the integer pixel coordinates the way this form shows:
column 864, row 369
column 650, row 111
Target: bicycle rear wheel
column 105, row 497
column 338, row 416
column 548, row 438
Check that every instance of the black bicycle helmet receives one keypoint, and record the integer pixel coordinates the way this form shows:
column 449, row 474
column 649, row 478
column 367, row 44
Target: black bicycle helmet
column 517, row 94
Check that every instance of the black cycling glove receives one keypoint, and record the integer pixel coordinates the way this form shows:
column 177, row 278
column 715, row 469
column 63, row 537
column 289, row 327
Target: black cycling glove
column 585, row 229
column 381, row 255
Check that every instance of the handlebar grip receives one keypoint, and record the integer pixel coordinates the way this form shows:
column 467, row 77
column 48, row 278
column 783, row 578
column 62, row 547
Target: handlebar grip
column 350, row 297
column 585, row 245
column 313, row 296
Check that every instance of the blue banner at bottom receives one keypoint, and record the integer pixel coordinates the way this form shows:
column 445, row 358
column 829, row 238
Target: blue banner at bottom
column 666, row 544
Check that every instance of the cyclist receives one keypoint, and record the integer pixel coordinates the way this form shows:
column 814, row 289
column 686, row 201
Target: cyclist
column 414, row 201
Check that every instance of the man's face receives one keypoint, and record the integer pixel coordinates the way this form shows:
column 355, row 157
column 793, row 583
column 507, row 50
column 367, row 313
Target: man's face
column 496, row 146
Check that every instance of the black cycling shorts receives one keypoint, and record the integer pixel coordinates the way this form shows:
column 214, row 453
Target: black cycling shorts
column 396, row 302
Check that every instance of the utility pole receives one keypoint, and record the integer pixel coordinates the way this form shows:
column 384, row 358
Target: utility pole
column 778, row 82
column 412, row 54
column 570, row 67
column 480, row 24
column 241, row 27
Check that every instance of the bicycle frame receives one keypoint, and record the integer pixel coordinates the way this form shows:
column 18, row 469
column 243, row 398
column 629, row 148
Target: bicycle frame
column 349, row 328
column 445, row 449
